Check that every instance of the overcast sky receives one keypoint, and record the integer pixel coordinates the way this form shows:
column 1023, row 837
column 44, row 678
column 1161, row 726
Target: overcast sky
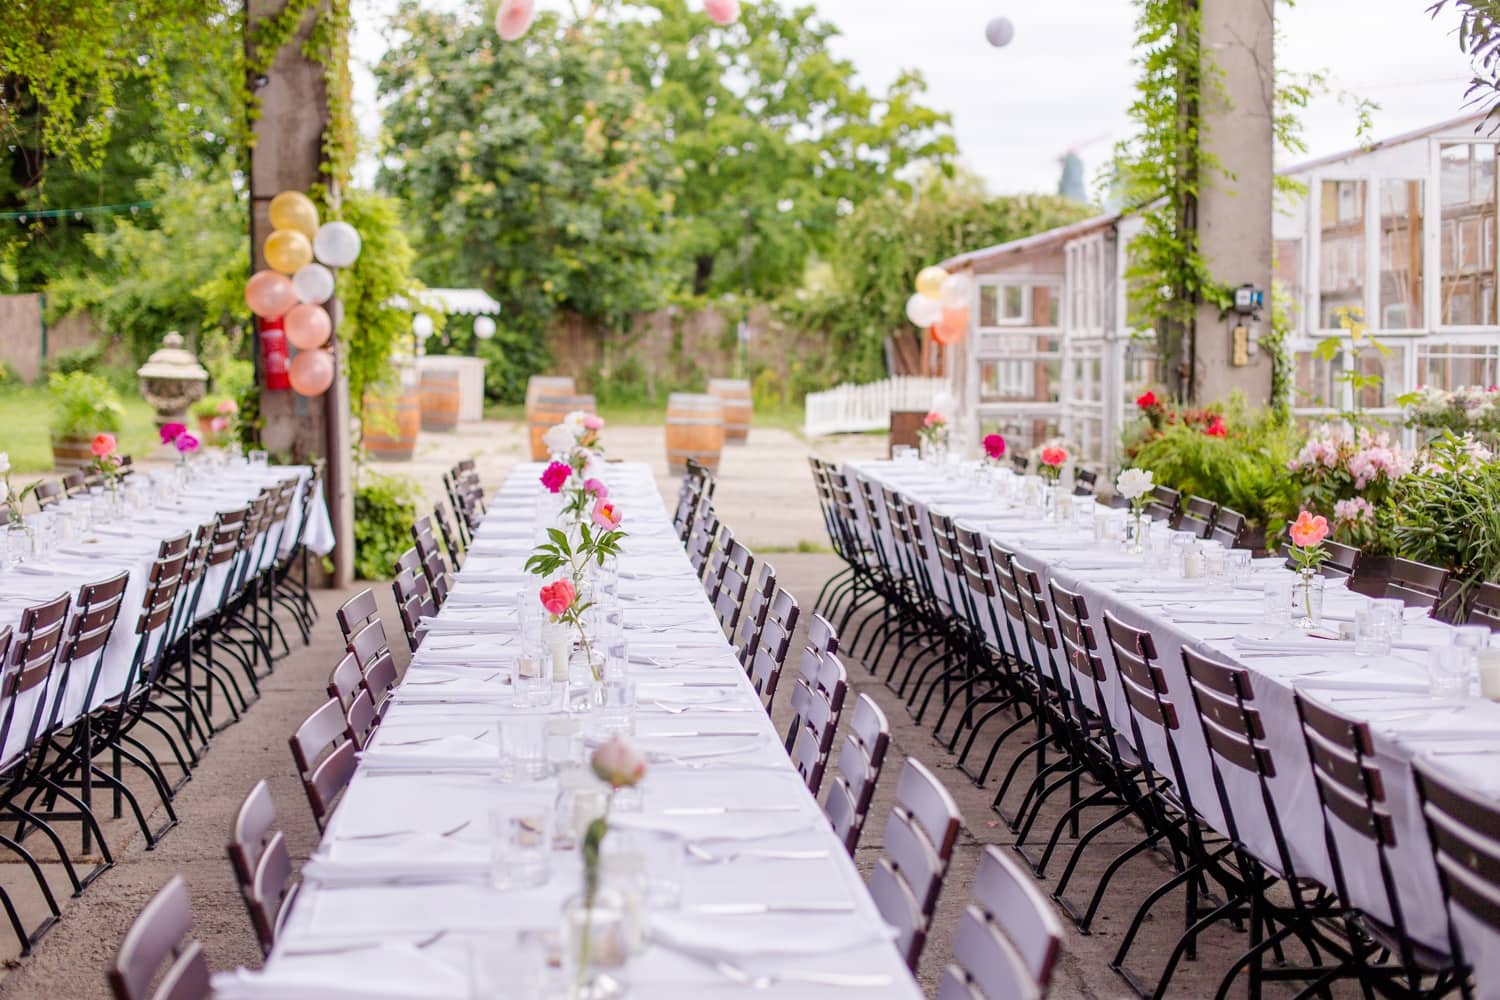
column 1064, row 82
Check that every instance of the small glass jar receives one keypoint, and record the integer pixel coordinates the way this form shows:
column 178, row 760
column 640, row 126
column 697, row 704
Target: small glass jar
column 596, row 945
column 1307, row 600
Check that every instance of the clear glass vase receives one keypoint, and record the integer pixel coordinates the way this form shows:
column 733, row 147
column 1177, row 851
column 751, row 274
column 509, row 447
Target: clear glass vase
column 1137, row 530
column 596, row 944
column 1307, row 600
column 585, row 678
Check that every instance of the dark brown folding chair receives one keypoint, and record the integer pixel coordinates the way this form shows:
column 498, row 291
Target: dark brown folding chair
column 1416, row 585
column 1008, row 938
column 860, row 762
column 360, row 720
column 262, row 866
column 452, row 541
column 74, row 483
column 775, row 643
column 1164, row 503
column 1085, row 483
column 1197, row 515
column 345, row 680
column 753, row 618
column 819, row 722
column 918, row 845
column 1484, row 608
column 413, row 603
column 356, row 613
column 160, row 940
column 324, row 756
column 380, row 680
column 368, row 643
column 48, row 493
column 1229, row 528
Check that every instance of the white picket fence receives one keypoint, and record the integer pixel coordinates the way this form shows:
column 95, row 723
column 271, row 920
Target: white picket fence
column 848, row 409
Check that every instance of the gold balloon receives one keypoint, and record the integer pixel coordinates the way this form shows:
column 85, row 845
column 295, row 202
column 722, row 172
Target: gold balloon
column 294, row 210
column 287, row 250
column 930, row 282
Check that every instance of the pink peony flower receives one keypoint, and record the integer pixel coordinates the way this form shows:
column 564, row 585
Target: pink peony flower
column 218, row 425
column 558, row 597
column 934, row 419
column 994, row 446
column 606, row 515
column 593, row 422
column 596, row 488
column 555, row 475
column 618, row 763
column 1308, row 530
column 103, row 445
column 186, row 443
column 228, row 408
column 171, row 432
column 1054, row 456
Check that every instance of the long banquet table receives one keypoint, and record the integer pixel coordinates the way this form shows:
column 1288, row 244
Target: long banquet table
column 1388, row 691
column 397, row 899
column 130, row 544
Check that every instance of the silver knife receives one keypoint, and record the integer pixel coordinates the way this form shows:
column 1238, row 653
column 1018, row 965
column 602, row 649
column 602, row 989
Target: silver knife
column 697, row 732
column 755, row 909
column 722, row 810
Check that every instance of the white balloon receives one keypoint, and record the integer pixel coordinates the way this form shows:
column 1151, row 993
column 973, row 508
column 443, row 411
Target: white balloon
column 313, row 283
column 484, row 327
column 923, row 311
column 421, row 325
column 337, row 244
column 1000, row 32
column 955, row 292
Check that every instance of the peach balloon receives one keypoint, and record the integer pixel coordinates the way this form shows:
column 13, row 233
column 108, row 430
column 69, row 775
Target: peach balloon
column 308, row 326
column 287, row 251
column 952, row 327
column 269, row 294
column 514, row 18
column 722, row 11
column 311, row 372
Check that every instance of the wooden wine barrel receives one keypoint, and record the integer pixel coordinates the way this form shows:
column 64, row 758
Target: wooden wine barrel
column 440, row 395
column 695, row 429
column 390, row 424
column 549, row 411
column 69, row 453
column 738, row 407
column 547, row 385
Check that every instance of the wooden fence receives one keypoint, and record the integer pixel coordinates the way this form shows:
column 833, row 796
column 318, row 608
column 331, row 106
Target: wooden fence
column 848, row 409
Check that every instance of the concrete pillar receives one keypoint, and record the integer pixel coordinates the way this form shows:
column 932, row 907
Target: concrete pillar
column 1235, row 200
column 286, row 156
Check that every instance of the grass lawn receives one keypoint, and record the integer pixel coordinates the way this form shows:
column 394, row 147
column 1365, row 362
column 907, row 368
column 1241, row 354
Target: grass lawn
column 787, row 418
column 23, row 428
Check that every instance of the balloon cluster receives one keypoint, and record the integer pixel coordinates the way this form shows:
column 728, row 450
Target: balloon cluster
column 289, row 295
column 513, row 18
column 941, row 304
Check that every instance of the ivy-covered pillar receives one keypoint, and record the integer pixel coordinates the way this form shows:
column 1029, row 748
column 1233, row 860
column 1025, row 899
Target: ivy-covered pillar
column 1234, row 204
column 289, row 130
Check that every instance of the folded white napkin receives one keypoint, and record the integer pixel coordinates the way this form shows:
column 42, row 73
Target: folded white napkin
column 385, row 971
column 1292, row 644
column 1101, row 560
column 1216, row 617
column 1445, row 724
column 352, row 860
column 451, row 625
column 493, row 682
column 740, row 937
column 1361, row 681
column 450, row 753
column 468, row 576
column 724, row 826
column 465, row 598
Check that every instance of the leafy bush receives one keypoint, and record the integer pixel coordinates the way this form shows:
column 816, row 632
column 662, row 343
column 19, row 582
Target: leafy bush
column 1245, row 470
column 82, row 405
column 384, row 509
column 1448, row 513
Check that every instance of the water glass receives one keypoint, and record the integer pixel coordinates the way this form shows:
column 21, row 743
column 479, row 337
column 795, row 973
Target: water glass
column 1474, row 637
column 530, row 683
column 563, row 742
column 1239, row 565
column 580, row 801
column 903, row 454
column 17, row 545
column 1397, row 611
column 1216, row 567
column 1450, row 669
column 1276, row 609
column 523, row 747
column 1083, row 515
column 664, row 877
column 1181, row 542
column 509, row 969
column 1374, row 628
column 617, row 714
column 521, row 843
column 259, row 459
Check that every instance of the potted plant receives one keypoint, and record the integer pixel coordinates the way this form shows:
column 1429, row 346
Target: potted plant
column 82, row 406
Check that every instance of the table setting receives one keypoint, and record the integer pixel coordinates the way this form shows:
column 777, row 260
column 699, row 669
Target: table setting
column 550, row 783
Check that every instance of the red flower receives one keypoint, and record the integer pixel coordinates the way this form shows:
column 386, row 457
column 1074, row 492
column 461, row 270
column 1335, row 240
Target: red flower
column 555, row 475
column 558, row 597
column 103, row 445
column 994, row 446
column 171, row 432
column 1147, row 400
column 1054, row 456
column 1216, row 428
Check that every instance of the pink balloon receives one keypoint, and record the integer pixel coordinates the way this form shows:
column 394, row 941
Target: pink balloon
column 722, row 11
column 308, row 326
column 269, row 294
column 514, row 17
column 311, row 372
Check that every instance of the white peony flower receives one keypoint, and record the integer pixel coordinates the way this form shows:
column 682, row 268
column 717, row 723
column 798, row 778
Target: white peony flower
column 574, row 422
column 4, row 462
column 1133, row 484
column 4, row 491
column 559, row 439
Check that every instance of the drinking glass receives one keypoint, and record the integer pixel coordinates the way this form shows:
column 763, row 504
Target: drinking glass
column 1159, row 550
column 17, row 545
column 664, row 876
column 903, row 454
column 1276, row 609
column 580, row 801
column 1449, row 672
column 1474, row 637
column 521, row 843
column 530, row 685
column 259, row 459
column 1181, row 542
column 617, row 714
column 1216, row 567
column 523, row 747
column 507, row 969
column 1374, row 628
column 1397, row 611
column 563, row 741
column 1083, row 515
column 1239, row 563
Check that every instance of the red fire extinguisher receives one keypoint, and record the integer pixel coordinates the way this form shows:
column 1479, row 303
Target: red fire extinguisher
column 275, row 359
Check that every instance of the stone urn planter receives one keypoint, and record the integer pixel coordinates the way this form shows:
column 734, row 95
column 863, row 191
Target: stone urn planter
column 172, row 380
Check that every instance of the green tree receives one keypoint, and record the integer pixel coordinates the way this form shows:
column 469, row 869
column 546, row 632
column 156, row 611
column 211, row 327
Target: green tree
column 878, row 249
column 773, row 135
column 531, row 169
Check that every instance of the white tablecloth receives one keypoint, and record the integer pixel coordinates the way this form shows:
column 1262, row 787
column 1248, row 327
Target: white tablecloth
column 1390, row 691
column 430, row 772
column 130, row 545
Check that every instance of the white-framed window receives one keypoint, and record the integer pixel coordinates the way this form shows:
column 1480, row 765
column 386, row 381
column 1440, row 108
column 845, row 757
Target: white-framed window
column 1467, row 199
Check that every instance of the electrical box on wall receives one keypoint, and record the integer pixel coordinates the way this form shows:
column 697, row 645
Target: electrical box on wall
column 1249, row 300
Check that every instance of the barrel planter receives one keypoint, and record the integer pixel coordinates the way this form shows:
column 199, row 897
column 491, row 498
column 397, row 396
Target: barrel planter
column 549, row 411
column 695, row 429
column 738, row 407
column 390, row 424
column 538, row 386
column 440, row 395
column 69, row 453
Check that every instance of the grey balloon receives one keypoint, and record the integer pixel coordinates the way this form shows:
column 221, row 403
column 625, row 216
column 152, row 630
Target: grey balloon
column 1000, row 31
